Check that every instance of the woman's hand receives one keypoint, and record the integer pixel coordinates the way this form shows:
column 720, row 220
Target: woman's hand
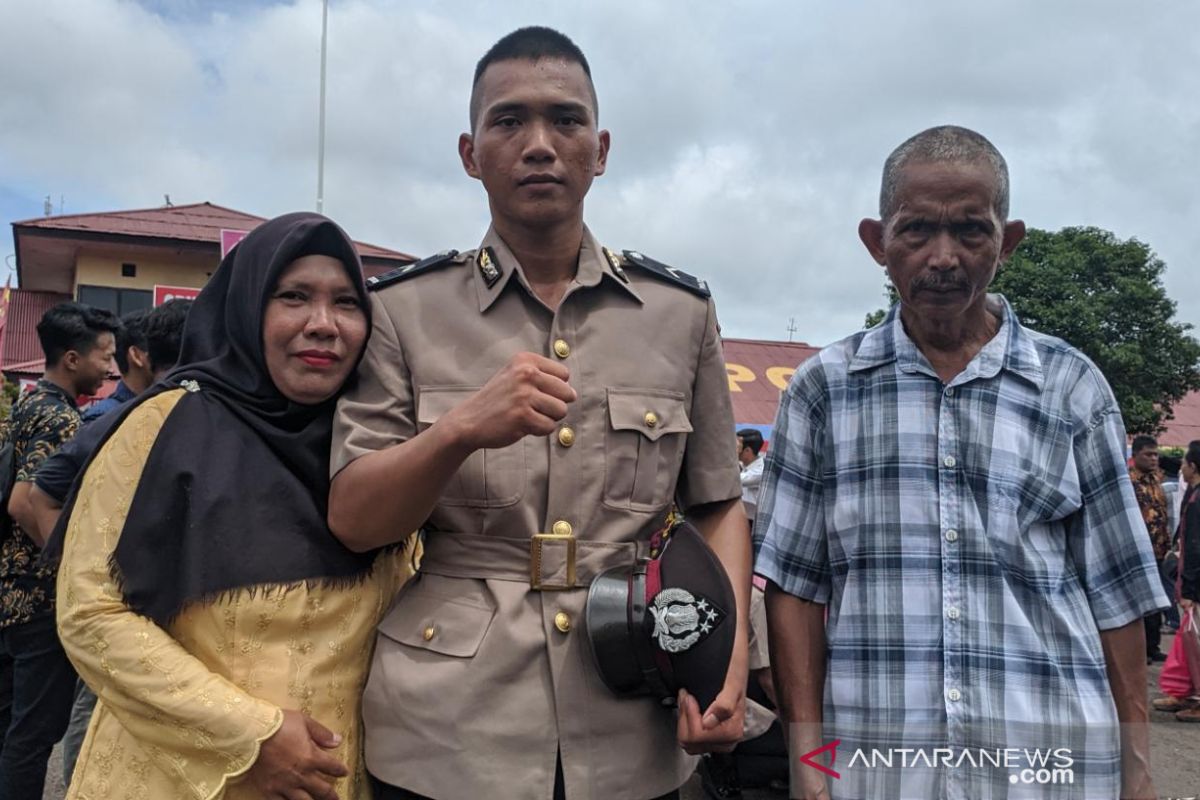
column 1186, row 604
column 293, row 764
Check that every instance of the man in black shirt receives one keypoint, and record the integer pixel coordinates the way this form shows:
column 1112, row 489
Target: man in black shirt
column 35, row 701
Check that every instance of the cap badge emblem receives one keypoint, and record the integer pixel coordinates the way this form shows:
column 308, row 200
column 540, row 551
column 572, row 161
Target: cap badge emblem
column 680, row 620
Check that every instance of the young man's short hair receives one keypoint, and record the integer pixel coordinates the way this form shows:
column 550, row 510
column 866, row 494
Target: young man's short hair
column 73, row 326
column 751, row 438
column 1192, row 456
column 1170, row 466
column 132, row 334
column 1141, row 442
column 164, row 333
column 531, row 44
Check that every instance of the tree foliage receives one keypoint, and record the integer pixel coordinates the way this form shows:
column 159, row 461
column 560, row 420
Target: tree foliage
column 1105, row 296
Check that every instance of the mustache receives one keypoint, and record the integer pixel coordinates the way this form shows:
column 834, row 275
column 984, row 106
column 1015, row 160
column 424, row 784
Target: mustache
column 938, row 281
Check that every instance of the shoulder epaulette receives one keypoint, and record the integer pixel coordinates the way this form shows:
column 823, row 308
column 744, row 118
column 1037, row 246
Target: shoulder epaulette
column 409, row 270
column 670, row 274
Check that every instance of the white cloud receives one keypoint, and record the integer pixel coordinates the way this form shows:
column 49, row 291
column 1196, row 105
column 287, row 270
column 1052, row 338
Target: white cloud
column 748, row 138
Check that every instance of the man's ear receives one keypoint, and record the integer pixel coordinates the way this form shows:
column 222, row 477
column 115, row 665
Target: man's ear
column 1014, row 234
column 70, row 360
column 466, row 152
column 870, row 231
column 138, row 357
column 602, row 157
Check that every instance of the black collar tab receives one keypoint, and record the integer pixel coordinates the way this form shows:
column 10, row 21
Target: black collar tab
column 669, row 274
column 409, row 270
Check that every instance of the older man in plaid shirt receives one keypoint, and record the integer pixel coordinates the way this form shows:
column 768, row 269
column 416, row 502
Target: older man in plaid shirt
column 948, row 489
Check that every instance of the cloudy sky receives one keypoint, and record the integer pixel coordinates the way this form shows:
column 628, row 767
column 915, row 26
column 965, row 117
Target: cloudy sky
column 747, row 137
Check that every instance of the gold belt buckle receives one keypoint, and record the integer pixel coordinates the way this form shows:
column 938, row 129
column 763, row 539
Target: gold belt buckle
column 535, row 562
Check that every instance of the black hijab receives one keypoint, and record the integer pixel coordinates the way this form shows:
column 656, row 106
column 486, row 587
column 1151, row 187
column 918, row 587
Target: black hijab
column 235, row 490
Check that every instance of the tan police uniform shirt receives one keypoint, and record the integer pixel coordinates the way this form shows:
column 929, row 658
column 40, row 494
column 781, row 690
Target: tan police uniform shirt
column 480, row 681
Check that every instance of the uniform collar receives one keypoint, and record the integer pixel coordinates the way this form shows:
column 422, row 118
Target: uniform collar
column 494, row 267
column 1011, row 349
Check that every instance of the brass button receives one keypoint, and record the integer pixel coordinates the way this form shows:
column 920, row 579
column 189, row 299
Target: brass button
column 427, row 635
column 562, row 528
column 562, row 621
column 561, row 348
column 566, row 436
column 651, row 419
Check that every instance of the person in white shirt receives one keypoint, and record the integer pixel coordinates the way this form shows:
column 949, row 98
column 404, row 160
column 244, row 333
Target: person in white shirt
column 749, row 445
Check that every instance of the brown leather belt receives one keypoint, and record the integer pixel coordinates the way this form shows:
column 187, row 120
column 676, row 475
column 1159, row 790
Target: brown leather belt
column 547, row 562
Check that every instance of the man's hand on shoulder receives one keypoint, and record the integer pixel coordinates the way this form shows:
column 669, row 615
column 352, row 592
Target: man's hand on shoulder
column 528, row 396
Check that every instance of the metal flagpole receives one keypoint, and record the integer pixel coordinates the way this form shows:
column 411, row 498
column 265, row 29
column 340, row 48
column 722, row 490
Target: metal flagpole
column 321, row 126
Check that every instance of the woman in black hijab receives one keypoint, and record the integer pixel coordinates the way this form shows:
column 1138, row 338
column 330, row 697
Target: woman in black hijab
column 226, row 632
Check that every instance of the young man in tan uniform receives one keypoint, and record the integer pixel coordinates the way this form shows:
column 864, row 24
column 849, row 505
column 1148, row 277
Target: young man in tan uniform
column 536, row 406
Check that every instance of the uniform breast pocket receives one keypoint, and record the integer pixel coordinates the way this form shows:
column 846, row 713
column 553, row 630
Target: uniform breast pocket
column 435, row 619
column 488, row 478
column 643, row 447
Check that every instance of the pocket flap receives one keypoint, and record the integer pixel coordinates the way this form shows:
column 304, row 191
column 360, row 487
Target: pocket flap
column 434, row 401
column 447, row 625
column 650, row 412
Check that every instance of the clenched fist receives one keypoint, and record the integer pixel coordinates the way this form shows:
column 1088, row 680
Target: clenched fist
column 527, row 397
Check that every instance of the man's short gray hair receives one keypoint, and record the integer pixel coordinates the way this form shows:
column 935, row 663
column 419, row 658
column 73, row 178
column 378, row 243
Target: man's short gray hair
column 945, row 143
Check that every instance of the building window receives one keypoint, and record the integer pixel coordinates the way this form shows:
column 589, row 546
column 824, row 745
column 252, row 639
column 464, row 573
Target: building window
column 129, row 270
column 118, row 301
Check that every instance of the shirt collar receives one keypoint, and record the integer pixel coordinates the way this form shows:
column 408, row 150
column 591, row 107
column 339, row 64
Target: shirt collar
column 122, row 394
column 1011, row 349
column 494, row 266
column 50, row 387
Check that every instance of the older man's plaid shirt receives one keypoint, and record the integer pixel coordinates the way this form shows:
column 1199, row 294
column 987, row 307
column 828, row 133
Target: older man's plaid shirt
column 971, row 540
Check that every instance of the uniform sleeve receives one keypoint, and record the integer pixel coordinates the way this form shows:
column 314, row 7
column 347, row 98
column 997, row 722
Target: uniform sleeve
column 1107, row 536
column 378, row 411
column 42, row 433
column 710, row 470
column 198, row 727
column 790, row 539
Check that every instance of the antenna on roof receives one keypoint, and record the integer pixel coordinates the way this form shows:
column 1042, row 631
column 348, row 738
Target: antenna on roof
column 791, row 328
column 167, row 200
column 48, row 207
column 321, row 119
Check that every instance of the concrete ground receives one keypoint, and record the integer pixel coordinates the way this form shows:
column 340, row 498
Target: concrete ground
column 1175, row 757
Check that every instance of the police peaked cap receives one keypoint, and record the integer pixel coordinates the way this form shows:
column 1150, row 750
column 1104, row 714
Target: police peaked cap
column 665, row 623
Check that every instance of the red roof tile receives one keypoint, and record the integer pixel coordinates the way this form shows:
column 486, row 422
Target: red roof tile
column 19, row 343
column 198, row 222
column 758, row 372
column 1185, row 427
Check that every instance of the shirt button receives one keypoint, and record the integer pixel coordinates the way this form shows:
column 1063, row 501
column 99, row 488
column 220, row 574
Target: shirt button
column 949, row 462
column 950, row 392
column 566, row 436
column 429, row 633
column 651, row 419
column 562, row 621
column 955, row 695
column 953, row 613
column 561, row 348
column 951, row 535
column 562, row 528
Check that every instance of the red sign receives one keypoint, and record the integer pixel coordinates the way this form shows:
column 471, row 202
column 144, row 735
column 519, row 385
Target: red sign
column 164, row 293
column 229, row 238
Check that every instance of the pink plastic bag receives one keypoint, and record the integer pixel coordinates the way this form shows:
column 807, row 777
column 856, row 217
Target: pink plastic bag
column 1189, row 634
column 1175, row 679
